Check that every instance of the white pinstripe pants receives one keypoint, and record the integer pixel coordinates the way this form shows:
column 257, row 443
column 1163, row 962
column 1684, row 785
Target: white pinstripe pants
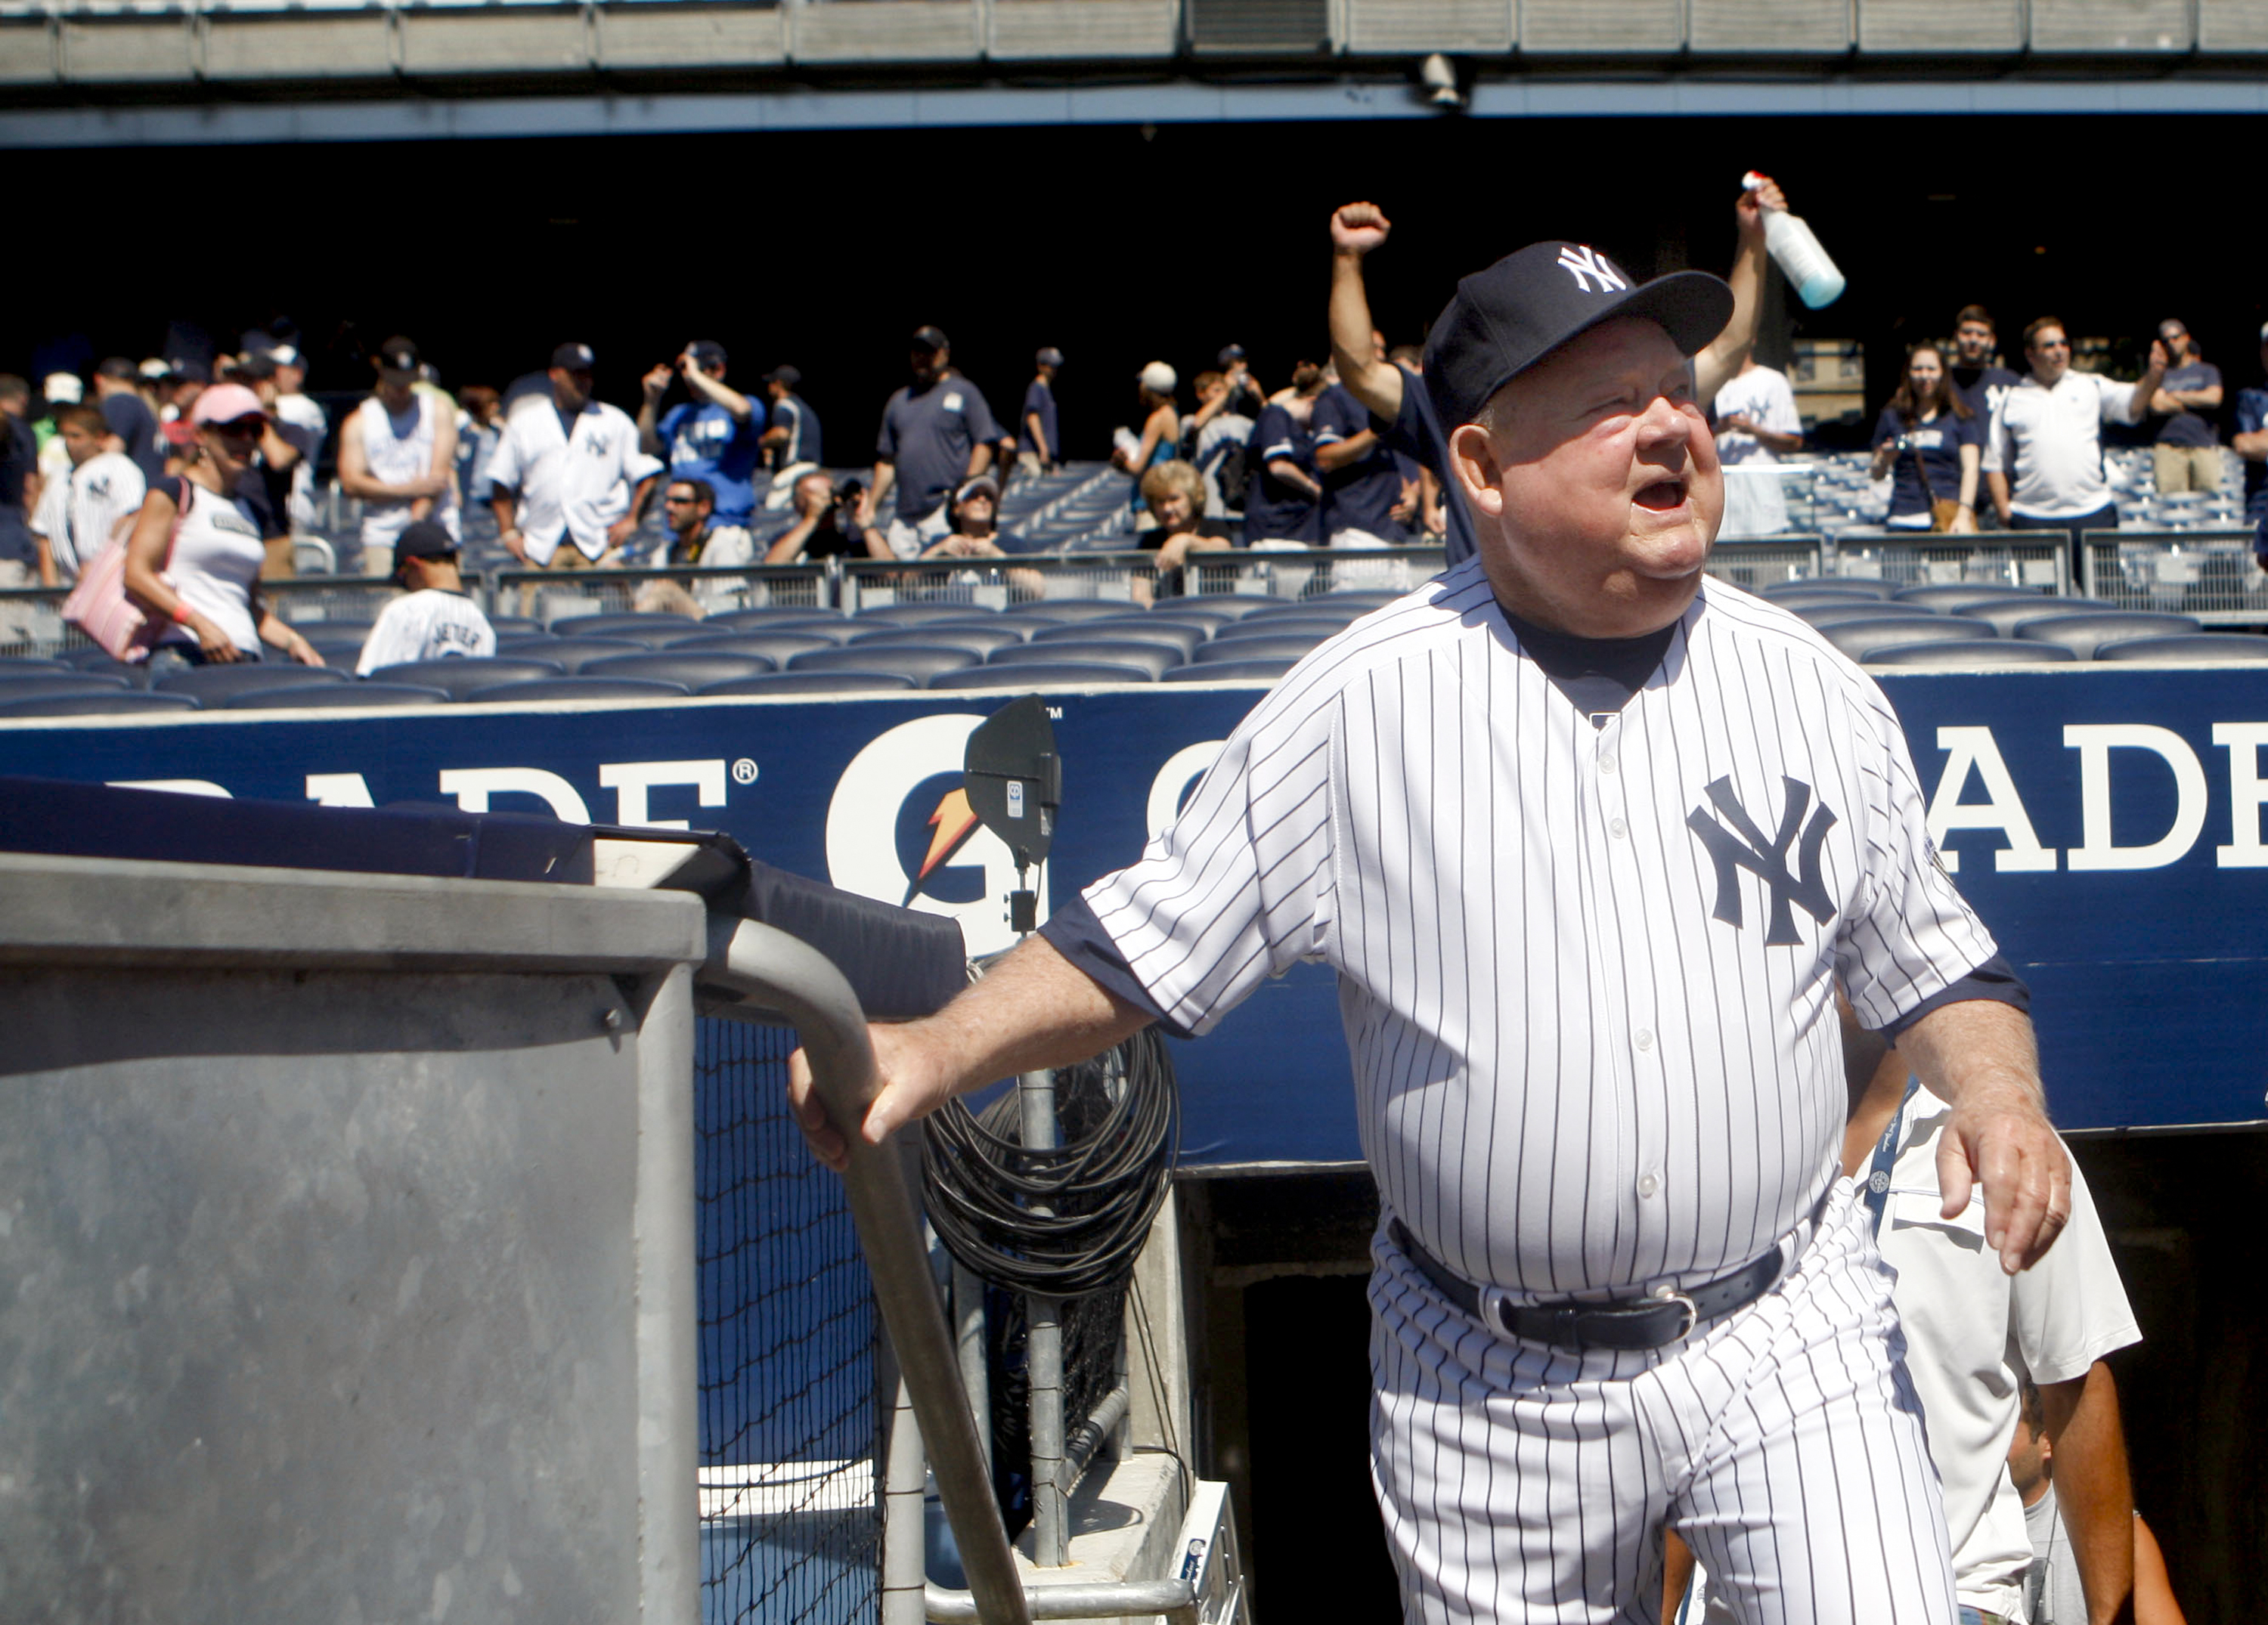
column 1524, row 1483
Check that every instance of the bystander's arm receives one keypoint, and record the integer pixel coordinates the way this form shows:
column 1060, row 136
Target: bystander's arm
column 2146, row 387
column 1357, row 229
column 879, row 489
column 1997, row 483
column 1337, row 454
column 980, row 458
column 790, row 547
column 1720, row 362
column 1297, row 478
column 1038, row 430
column 717, row 391
column 1980, row 1056
column 2154, row 1587
column 652, row 386
column 2093, row 1492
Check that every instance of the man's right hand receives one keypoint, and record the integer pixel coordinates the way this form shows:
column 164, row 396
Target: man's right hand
column 656, row 382
column 911, row 1084
column 515, row 544
column 1358, row 228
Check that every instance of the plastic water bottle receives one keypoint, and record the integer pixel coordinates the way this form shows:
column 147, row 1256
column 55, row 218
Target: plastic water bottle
column 1808, row 270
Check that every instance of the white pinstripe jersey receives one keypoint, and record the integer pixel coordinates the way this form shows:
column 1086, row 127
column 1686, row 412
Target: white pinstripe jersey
column 79, row 512
column 1593, row 1047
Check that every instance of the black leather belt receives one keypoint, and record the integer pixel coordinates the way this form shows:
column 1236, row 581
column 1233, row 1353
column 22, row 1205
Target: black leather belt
column 1624, row 1323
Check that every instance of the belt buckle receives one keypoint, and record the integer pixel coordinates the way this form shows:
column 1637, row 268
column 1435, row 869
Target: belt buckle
column 1692, row 1314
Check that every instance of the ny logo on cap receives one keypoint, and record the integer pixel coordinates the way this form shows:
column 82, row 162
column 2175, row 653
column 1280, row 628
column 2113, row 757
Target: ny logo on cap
column 1584, row 264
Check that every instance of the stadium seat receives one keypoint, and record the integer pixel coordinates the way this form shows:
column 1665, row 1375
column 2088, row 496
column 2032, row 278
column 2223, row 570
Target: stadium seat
column 98, row 661
column 1153, row 658
column 212, row 685
column 61, row 680
column 694, row 670
column 673, row 637
column 1254, row 649
column 2081, row 633
column 817, row 682
column 913, row 615
column 1228, row 606
column 919, row 661
column 1965, row 652
column 776, row 647
column 107, row 702
column 573, row 653
column 1278, row 627
column 631, row 624
column 776, row 620
column 32, row 665
column 1849, row 609
column 1826, row 598
column 1859, row 639
column 459, row 677
column 321, row 696
column 514, row 626
column 2247, row 648
column 1060, row 610
column 1369, row 598
column 1037, row 674
column 1853, row 586
column 978, row 641
column 1229, row 671
column 577, row 688
column 1962, row 596
column 1167, row 633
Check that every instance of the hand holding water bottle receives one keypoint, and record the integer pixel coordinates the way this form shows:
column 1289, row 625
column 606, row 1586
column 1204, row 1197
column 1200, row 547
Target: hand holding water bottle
column 1810, row 269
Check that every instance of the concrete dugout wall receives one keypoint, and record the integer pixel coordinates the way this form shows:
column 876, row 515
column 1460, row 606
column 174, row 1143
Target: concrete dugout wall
column 346, row 1234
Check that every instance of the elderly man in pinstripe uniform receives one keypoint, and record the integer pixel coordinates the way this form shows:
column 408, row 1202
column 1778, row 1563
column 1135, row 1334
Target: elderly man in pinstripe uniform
column 1588, row 840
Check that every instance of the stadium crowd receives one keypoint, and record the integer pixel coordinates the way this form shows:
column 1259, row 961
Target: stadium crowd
column 1341, row 449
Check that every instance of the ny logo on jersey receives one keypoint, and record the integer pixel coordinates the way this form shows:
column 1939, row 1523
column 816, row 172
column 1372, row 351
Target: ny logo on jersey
column 1743, row 846
column 1584, row 264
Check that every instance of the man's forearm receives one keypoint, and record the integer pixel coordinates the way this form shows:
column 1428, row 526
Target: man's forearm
column 980, row 458
column 2145, row 390
column 649, row 431
column 1339, row 453
column 1034, row 1009
column 2092, row 1490
column 717, row 391
column 1376, row 383
column 1997, row 483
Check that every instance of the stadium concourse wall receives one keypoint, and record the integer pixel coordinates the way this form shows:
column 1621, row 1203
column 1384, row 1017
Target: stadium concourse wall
column 103, row 71
column 2107, row 824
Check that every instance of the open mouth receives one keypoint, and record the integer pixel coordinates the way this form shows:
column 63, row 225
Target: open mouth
column 1661, row 496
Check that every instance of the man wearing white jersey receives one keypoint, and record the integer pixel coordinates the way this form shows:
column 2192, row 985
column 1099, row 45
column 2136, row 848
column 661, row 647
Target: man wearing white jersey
column 569, row 469
column 397, row 453
column 433, row 619
column 1973, row 1335
column 299, row 410
column 1588, row 840
column 81, row 510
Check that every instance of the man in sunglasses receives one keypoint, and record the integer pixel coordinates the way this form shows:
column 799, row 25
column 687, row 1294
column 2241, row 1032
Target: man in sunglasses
column 2043, row 452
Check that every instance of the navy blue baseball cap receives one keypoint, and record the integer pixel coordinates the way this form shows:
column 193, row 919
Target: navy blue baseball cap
column 707, row 352
column 1503, row 320
column 574, row 358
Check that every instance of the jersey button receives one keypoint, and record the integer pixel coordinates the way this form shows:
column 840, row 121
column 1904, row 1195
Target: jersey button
column 1606, row 762
column 1649, row 1183
column 1645, row 1040
column 1618, row 829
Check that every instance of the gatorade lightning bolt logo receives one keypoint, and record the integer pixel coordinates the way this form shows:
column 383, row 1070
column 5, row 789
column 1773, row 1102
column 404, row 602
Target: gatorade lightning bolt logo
column 953, row 822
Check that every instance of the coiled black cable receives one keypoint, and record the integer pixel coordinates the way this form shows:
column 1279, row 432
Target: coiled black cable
column 1069, row 1221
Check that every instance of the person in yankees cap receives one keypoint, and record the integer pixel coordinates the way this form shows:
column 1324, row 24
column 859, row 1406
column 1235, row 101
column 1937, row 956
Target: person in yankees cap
column 1588, row 839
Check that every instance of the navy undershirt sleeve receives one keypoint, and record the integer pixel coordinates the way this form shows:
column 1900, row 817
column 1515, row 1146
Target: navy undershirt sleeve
column 1079, row 937
column 1995, row 979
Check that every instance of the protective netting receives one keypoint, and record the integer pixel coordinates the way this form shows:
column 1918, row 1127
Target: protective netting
column 1093, row 1329
column 791, row 1512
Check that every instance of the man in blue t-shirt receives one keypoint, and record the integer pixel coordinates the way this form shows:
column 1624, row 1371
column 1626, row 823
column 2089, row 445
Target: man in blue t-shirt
column 936, row 433
column 1284, row 501
column 130, row 416
column 713, row 436
column 1362, row 483
column 2251, row 443
column 1039, row 448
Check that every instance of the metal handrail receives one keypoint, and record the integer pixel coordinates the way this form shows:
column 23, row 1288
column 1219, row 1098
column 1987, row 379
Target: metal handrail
column 779, row 973
column 1176, row 1599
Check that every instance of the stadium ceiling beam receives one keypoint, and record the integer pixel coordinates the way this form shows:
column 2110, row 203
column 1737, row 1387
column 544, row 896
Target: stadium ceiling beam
column 113, row 72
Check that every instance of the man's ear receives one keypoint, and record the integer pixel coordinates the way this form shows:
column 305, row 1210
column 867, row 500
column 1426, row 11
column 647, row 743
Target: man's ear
column 1472, row 459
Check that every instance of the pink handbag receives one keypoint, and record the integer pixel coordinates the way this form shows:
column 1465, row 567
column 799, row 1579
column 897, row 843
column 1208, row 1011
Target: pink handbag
column 98, row 606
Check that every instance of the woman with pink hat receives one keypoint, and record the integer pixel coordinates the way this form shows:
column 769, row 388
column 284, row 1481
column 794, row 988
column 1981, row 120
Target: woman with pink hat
column 194, row 562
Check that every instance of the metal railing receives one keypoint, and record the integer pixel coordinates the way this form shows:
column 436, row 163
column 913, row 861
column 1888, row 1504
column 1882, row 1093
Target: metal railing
column 1133, row 577
column 2211, row 575
column 1766, row 561
column 2036, row 559
column 554, row 594
column 771, row 973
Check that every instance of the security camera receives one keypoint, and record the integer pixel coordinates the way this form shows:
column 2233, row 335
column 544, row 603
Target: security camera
column 1436, row 76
